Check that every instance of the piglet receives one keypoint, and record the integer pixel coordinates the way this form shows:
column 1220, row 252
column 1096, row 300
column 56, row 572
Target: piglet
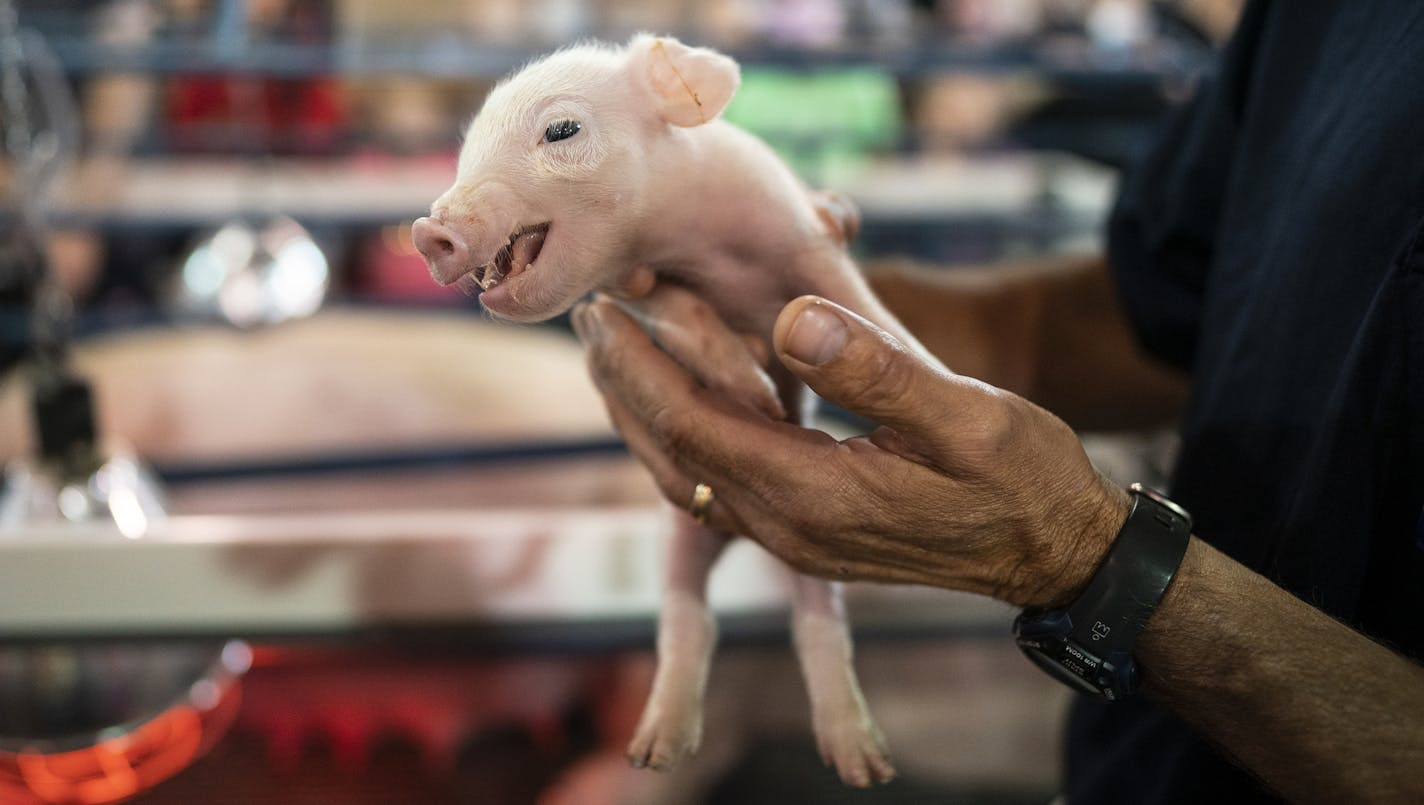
column 605, row 168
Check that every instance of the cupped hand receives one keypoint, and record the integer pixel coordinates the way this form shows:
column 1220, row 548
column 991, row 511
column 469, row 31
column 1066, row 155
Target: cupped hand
column 685, row 327
column 962, row 486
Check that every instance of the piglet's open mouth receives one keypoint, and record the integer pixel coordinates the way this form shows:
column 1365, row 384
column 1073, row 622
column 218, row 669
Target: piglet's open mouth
column 512, row 259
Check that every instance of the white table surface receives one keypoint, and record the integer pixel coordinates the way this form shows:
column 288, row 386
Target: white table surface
column 581, row 575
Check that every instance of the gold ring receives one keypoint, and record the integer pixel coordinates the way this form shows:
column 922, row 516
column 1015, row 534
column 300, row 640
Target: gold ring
column 701, row 502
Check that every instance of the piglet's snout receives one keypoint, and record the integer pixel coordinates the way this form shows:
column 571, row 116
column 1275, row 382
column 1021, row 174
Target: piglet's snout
column 445, row 251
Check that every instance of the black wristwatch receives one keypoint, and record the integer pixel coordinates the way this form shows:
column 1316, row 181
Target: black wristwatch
column 1089, row 644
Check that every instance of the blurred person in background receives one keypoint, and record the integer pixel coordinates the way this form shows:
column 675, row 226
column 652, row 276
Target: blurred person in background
column 1264, row 288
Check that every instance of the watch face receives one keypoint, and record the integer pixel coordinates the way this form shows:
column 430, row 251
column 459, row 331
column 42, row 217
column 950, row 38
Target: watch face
column 1055, row 669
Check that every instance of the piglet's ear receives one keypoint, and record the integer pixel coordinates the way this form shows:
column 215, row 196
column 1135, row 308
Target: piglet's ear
column 690, row 86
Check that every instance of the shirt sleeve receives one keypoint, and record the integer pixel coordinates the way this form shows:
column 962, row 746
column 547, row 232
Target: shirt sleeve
column 1162, row 230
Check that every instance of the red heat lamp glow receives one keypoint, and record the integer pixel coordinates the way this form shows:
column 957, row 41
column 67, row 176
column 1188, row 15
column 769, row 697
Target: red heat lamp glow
column 113, row 769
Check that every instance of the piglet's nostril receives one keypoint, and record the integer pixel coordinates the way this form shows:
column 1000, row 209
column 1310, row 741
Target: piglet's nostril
column 443, row 248
column 435, row 240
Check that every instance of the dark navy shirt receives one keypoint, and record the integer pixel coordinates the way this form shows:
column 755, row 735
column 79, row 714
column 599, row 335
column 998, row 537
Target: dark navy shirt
column 1272, row 244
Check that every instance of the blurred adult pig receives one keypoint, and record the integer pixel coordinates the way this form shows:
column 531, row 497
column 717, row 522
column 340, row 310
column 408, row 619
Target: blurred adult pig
column 343, row 383
column 605, row 168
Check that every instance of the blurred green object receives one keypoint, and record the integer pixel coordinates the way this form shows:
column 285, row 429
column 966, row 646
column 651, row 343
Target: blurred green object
column 826, row 123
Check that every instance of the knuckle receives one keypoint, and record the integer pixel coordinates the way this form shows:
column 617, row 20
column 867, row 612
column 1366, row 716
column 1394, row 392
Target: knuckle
column 992, row 429
column 887, row 376
column 672, row 427
column 997, row 426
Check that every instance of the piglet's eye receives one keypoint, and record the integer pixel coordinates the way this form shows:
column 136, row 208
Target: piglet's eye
column 561, row 130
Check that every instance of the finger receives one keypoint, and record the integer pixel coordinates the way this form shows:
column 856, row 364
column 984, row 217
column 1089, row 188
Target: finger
column 624, row 362
column 674, row 484
column 838, row 214
column 690, row 331
column 670, row 479
column 860, row 367
column 757, row 347
column 704, row 436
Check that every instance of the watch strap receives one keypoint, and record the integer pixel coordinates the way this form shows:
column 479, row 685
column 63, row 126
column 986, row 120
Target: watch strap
column 1088, row 645
column 1110, row 612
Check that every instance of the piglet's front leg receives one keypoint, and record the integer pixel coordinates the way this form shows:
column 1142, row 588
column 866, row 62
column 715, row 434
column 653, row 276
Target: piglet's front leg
column 671, row 725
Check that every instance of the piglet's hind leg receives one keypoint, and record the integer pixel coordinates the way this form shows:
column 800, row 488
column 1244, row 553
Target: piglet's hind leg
column 846, row 734
column 671, row 725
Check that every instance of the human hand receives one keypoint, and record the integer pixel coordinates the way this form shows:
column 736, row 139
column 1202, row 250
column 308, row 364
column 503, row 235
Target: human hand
column 964, row 485
column 685, row 327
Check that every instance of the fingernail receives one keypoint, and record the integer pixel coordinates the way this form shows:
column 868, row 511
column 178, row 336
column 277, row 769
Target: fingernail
column 576, row 319
column 817, row 335
column 585, row 322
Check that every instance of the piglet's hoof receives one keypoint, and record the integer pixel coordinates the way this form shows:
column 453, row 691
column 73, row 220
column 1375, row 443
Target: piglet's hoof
column 665, row 737
column 857, row 749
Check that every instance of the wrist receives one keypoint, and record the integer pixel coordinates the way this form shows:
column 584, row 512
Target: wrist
column 1084, row 541
column 1090, row 644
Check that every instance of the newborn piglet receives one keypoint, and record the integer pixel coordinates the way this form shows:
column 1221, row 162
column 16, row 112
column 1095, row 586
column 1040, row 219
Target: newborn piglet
column 606, row 168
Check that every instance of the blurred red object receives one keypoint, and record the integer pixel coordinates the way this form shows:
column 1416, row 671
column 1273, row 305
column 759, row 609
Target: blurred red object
column 389, row 268
column 117, row 768
column 246, row 114
column 350, row 700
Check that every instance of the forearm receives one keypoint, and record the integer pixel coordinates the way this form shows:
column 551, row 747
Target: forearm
column 1049, row 329
column 1319, row 712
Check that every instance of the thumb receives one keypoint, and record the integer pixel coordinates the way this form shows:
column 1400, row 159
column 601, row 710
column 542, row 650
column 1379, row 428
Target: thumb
column 855, row 364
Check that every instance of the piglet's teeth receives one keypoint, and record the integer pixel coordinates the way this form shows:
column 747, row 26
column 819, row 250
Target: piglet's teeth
column 493, row 275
